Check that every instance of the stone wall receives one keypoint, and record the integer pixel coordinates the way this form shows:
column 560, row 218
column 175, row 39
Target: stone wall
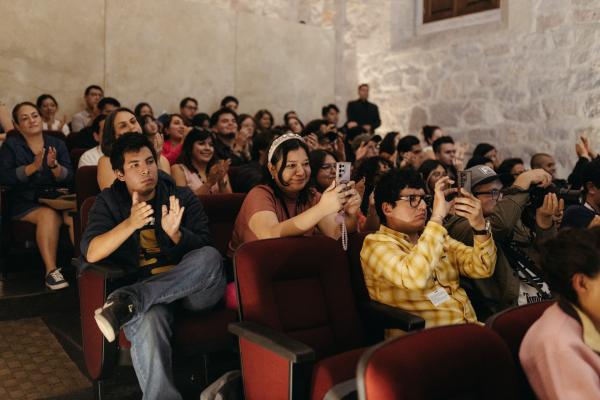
column 160, row 51
column 527, row 83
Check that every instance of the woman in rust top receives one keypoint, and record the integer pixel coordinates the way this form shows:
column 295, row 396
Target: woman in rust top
column 286, row 207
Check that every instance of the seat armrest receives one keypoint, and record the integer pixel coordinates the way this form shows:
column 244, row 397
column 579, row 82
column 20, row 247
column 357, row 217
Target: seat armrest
column 345, row 390
column 272, row 340
column 109, row 271
column 393, row 318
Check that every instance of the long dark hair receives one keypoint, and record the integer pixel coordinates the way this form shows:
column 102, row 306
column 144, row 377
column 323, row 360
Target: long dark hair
column 108, row 135
column 316, row 159
column 187, row 149
column 281, row 153
column 369, row 169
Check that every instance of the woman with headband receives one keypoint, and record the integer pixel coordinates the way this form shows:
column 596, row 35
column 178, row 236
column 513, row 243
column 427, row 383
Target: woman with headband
column 286, row 206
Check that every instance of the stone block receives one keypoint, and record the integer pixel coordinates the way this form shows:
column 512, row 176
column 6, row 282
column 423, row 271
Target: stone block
column 418, row 118
column 547, row 22
column 586, row 16
column 591, row 107
column 584, row 80
column 446, row 114
column 529, row 113
column 559, row 106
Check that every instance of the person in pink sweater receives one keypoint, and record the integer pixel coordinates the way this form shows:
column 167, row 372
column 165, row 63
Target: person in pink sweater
column 561, row 351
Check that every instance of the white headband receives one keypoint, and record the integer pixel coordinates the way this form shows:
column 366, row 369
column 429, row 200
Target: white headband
column 283, row 138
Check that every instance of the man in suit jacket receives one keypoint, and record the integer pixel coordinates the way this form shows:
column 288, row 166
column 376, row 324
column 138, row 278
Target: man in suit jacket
column 362, row 112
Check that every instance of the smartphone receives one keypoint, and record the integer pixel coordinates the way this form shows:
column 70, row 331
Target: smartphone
column 342, row 172
column 464, row 181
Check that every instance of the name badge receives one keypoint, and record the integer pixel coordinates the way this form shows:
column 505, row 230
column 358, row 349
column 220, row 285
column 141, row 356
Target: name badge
column 438, row 296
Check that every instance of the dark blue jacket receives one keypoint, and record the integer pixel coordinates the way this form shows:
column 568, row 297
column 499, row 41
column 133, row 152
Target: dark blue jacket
column 113, row 206
column 15, row 155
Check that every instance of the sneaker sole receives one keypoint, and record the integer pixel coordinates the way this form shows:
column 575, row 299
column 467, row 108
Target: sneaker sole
column 58, row 286
column 104, row 326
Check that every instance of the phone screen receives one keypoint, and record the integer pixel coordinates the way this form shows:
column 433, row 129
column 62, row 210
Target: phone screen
column 464, row 180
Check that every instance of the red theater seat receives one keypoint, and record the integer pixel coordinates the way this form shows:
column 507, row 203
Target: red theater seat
column 512, row 325
column 301, row 332
column 451, row 362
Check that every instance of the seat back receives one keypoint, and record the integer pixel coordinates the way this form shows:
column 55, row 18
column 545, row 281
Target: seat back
column 512, row 325
column 75, row 156
column 222, row 210
column 355, row 243
column 86, row 184
column 300, row 286
column 450, row 362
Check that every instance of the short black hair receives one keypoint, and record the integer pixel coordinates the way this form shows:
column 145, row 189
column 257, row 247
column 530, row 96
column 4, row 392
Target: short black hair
column 478, row 160
column 504, row 170
column 185, row 100
column 214, row 118
column 391, row 184
column 261, row 142
column 325, row 110
column 92, row 87
column 570, row 252
column 363, row 85
column 313, row 126
column 482, row 149
column 591, row 173
column 199, row 119
column 536, row 159
column 96, row 124
column 228, row 99
column 437, row 145
column 387, row 144
column 106, row 101
column 428, row 131
column 406, row 143
column 127, row 143
column 43, row 97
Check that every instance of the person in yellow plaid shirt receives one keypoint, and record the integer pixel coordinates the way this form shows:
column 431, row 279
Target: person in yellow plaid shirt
column 416, row 266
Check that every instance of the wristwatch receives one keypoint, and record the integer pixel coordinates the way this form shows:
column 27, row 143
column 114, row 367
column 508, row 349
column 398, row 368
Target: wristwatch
column 486, row 231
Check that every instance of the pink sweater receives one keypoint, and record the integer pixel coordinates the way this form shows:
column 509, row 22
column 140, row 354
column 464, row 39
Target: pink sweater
column 558, row 362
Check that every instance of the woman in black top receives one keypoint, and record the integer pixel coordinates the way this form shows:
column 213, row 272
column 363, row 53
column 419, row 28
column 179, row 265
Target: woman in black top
column 31, row 163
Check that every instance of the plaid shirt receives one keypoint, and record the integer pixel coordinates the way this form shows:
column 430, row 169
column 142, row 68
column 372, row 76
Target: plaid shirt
column 400, row 274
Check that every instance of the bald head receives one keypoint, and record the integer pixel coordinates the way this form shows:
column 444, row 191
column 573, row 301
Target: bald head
column 545, row 162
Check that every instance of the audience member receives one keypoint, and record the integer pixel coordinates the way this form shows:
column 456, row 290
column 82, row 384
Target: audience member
column 145, row 223
column 410, row 152
column 243, row 139
column 34, row 164
column 365, row 146
column 230, row 102
column 106, row 105
column 286, row 206
column 91, row 156
column 445, row 152
column 253, row 173
column 559, row 353
column 151, row 129
column 509, row 170
column 545, row 162
column 6, row 124
column 322, row 169
column 294, row 125
column 388, row 148
column 586, row 215
column 92, row 96
column 264, row 120
column 413, row 264
column 201, row 120
column 480, row 160
column 430, row 133
column 367, row 173
column 143, row 109
column 175, row 131
column 48, row 106
column 223, row 122
column 197, row 167
column 517, row 279
column 331, row 114
column 362, row 112
column 120, row 121
column 188, row 107
column 432, row 171
column 488, row 151
column 585, row 154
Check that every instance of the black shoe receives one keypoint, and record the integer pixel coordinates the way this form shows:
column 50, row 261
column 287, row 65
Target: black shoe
column 117, row 311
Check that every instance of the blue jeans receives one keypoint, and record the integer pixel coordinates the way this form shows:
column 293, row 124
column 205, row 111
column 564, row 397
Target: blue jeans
column 199, row 281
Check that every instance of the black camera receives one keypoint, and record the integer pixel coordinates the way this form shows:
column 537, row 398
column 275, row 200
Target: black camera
column 331, row 136
column 571, row 197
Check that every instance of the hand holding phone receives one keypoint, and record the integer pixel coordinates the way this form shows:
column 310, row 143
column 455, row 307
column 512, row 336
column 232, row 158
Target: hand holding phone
column 464, row 181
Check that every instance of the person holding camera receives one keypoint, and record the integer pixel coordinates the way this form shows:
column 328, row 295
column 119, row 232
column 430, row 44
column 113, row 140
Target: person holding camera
column 412, row 263
column 586, row 215
column 517, row 280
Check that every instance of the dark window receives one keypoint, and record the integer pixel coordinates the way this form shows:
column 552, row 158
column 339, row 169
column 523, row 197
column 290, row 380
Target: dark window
column 436, row 10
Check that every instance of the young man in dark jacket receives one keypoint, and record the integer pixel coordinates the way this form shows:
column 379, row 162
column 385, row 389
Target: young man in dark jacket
column 146, row 223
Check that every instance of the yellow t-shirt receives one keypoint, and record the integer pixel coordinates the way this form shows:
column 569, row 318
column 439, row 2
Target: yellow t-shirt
column 150, row 257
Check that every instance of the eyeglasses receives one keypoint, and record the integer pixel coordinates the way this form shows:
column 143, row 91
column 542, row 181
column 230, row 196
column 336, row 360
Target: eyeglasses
column 495, row 193
column 328, row 166
column 415, row 199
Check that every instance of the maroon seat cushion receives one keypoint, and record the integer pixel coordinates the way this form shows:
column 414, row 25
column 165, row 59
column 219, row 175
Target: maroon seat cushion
column 199, row 331
column 222, row 210
column 451, row 362
column 333, row 370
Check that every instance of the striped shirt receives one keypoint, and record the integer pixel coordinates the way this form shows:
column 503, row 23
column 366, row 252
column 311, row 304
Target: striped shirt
column 402, row 275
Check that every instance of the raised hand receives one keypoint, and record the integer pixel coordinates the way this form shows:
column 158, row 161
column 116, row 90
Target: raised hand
column 533, row 177
column 38, row 160
column 551, row 207
column 440, row 205
column 469, row 207
column 51, row 157
column 141, row 213
column 353, row 199
column 171, row 218
column 312, row 142
column 333, row 198
column 588, row 146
